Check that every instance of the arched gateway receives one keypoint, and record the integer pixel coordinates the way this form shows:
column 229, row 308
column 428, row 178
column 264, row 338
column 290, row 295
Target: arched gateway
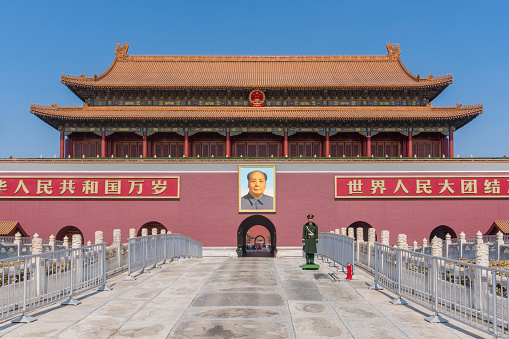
column 256, row 220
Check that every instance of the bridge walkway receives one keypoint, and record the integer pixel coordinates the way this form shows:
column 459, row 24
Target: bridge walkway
column 236, row 298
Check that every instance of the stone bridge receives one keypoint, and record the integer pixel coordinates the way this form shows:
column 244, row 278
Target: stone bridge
column 237, row 298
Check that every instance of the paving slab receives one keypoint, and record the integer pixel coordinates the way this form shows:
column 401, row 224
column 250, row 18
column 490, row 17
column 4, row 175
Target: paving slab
column 237, row 298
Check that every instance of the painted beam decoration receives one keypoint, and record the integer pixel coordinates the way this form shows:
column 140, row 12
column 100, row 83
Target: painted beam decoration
column 421, row 187
column 89, row 187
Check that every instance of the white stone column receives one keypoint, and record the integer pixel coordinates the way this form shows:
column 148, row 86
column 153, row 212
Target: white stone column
column 371, row 235
column 163, row 231
column 36, row 244
column 416, row 246
column 461, row 242
column 447, row 244
column 52, row 242
column 154, row 231
column 144, row 232
column 343, row 231
column 99, row 237
column 89, row 243
column 402, row 242
column 436, row 247
column 117, row 236
column 76, row 240
column 385, row 237
column 351, row 232
column 39, row 271
column 17, row 242
column 482, row 255
column 336, row 231
column 360, row 234
column 132, row 233
column 371, row 244
column 498, row 244
column 66, row 242
column 479, row 237
column 424, row 245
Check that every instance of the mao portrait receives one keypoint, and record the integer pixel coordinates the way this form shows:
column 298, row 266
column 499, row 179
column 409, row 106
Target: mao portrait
column 257, row 188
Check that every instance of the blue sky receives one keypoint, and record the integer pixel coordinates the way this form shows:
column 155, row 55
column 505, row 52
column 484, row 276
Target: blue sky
column 40, row 40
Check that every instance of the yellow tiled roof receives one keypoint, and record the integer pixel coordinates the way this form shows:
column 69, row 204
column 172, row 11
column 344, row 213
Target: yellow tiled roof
column 7, row 226
column 173, row 71
column 252, row 113
column 503, row 225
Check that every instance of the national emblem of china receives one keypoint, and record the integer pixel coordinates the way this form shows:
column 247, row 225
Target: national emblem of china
column 256, row 97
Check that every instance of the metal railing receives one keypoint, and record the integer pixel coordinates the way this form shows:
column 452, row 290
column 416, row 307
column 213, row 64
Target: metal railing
column 475, row 295
column 338, row 248
column 154, row 249
column 33, row 281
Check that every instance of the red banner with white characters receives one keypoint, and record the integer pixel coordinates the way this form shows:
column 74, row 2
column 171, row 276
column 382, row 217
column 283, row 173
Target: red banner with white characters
column 90, row 187
column 421, row 186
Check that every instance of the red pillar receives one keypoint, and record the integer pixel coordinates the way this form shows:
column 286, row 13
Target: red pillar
column 327, row 144
column 103, row 145
column 228, row 148
column 410, row 148
column 145, row 145
column 368, row 144
column 62, row 144
column 186, row 144
column 285, row 145
column 451, row 144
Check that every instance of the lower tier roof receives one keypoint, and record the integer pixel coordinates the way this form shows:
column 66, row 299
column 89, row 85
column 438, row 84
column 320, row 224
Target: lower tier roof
column 452, row 116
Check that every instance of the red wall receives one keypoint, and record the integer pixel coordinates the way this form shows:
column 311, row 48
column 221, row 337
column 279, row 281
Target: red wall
column 208, row 211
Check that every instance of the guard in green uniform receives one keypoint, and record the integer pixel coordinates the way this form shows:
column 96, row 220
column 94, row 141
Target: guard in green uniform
column 309, row 240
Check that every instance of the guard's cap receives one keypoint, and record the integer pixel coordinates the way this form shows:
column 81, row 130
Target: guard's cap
column 310, row 216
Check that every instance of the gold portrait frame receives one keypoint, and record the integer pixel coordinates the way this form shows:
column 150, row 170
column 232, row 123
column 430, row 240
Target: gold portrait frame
column 249, row 205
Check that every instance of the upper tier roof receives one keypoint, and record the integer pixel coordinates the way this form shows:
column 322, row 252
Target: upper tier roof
column 265, row 72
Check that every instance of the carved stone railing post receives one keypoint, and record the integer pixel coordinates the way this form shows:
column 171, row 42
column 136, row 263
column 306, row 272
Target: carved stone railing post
column 479, row 237
column 132, row 233
column 163, row 231
column 359, row 242
column 336, row 231
column 385, row 235
column 117, row 236
column 76, row 241
column 482, row 258
column 52, row 242
column 447, row 243
column 168, row 232
column 39, row 270
column 402, row 242
column 424, row 245
column 416, row 246
column 89, row 243
column 117, row 244
column 461, row 243
column 66, row 242
column 343, row 231
column 351, row 232
column 36, row 244
column 99, row 237
column 154, row 231
column 498, row 244
column 371, row 244
column 436, row 247
column 144, row 232
column 17, row 242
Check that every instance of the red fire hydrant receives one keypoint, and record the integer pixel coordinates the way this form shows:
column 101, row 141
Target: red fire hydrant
column 349, row 272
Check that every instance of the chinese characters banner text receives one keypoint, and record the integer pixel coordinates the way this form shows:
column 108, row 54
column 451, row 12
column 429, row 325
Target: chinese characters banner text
column 87, row 187
column 422, row 187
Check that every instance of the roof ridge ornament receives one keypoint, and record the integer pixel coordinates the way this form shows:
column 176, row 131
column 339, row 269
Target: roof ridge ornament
column 121, row 51
column 393, row 51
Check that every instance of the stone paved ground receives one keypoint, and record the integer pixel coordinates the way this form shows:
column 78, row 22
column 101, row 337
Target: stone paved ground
column 236, row 298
